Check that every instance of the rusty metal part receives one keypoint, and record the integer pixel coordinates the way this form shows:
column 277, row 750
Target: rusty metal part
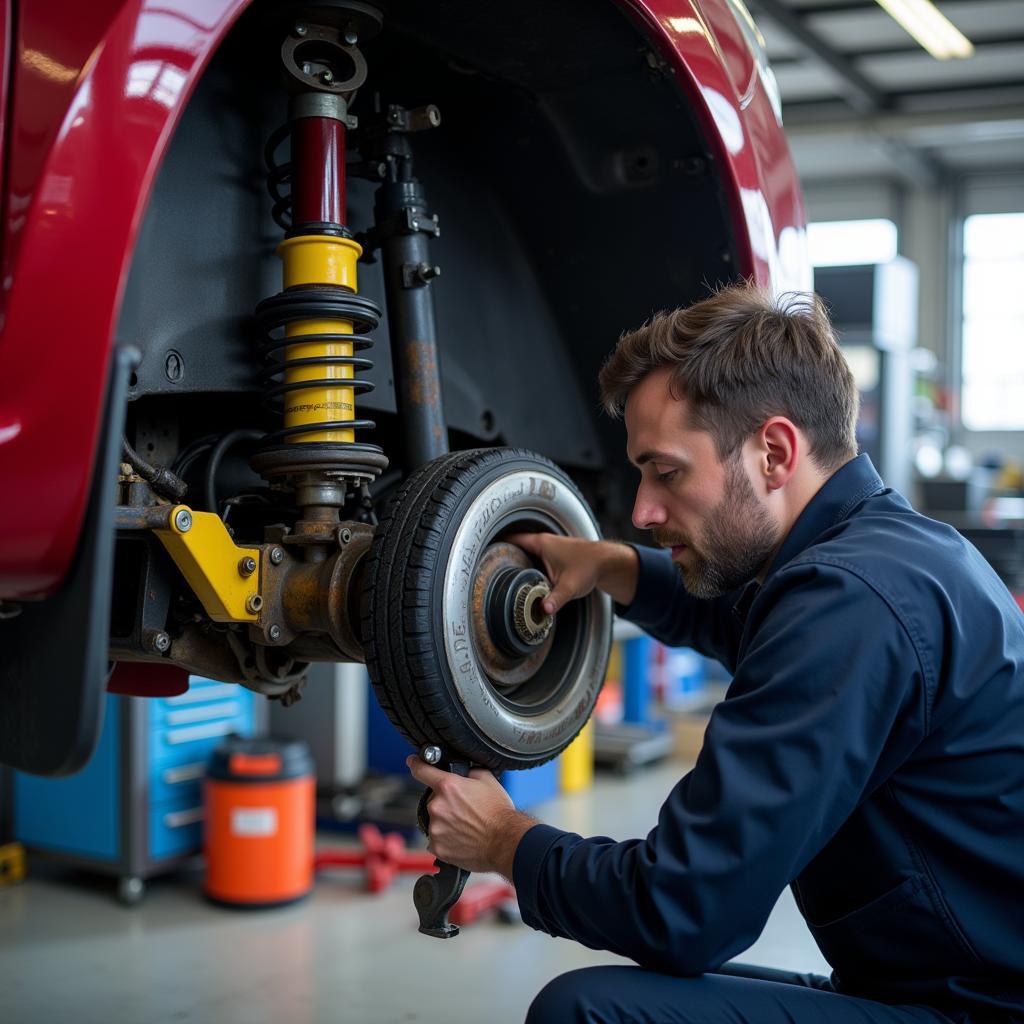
column 315, row 603
column 265, row 670
column 198, row 648
column 504, row 671
column 149, row 517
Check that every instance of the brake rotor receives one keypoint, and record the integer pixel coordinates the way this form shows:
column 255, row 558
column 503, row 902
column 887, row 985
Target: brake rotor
column 512, row 634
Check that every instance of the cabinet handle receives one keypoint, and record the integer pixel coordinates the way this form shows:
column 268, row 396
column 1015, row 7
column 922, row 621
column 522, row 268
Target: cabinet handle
column 200, row 732
column 178, row 819
column 184, row 773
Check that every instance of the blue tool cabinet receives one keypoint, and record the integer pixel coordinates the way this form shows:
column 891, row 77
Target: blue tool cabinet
column 136, row 809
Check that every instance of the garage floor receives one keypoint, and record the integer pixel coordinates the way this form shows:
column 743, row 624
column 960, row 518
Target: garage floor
column 69, row 952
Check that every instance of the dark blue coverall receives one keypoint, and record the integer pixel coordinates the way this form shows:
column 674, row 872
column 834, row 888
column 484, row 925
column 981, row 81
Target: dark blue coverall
column 869, row 753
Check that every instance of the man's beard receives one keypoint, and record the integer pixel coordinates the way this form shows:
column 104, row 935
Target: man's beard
column 738, row 539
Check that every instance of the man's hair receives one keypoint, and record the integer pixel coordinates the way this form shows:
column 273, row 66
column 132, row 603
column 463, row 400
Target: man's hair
column 741, row 357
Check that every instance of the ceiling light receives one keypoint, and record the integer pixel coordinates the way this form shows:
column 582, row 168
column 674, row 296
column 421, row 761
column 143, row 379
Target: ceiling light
column 930, row 27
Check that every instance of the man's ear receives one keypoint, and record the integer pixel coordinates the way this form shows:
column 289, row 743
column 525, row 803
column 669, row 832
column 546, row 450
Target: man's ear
column 781, row 448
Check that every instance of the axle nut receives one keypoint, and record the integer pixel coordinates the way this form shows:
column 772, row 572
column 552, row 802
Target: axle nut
column 532, row 623
column 183, row 520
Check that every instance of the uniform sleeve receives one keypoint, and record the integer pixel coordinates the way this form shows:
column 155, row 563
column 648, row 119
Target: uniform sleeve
column 663, row 608
column 827, row 701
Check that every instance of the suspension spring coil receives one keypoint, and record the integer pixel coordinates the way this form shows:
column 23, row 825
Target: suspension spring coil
column 279, row 174
column 318, row 385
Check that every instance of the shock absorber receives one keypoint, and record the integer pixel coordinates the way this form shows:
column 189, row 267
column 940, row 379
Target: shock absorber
column 313, row 329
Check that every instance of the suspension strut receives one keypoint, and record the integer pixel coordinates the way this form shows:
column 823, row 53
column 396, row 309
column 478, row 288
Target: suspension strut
column 314, row 327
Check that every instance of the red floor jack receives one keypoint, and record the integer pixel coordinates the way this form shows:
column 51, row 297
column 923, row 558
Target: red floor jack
column 383, row 856
column 477, row 899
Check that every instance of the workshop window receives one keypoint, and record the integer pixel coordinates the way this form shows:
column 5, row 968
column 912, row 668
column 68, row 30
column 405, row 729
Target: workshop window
column 992, row 361
column 837, row 243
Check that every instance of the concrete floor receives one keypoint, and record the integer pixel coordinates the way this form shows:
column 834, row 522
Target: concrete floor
column 69, row 952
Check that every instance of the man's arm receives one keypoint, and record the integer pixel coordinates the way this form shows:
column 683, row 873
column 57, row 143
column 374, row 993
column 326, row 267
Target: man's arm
column 826, row 704
column 645, row 585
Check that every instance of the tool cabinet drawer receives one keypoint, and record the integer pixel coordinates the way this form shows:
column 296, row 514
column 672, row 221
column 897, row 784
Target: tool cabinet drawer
column 175, row 827
column 182, row 781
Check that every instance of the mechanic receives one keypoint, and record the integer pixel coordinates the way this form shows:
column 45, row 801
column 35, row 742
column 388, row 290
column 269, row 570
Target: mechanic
column 869, row 751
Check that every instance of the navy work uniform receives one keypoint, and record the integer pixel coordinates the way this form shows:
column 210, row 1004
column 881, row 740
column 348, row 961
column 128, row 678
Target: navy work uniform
column 869, row 753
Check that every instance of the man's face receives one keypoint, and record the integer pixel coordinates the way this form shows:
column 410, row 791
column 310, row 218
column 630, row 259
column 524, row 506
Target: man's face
column 707, row 511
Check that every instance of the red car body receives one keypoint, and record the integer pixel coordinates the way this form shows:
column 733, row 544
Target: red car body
column 92, row 98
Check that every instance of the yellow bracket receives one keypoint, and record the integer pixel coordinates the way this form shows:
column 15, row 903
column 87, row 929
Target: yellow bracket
column 214, row 566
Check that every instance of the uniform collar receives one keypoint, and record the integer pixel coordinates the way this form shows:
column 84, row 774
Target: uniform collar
column 846, row 488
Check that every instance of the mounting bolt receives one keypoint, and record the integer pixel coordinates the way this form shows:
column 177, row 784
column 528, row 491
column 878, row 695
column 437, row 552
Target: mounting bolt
column 430, row 753
column 274, row 632
column 253, row 603
column 327, row 77
column 246, row 566
column 156, row 640
column 307, row 69
column 344, row 535
column 351, row 37
column 300, row 29
column 276, row 556
column 183, row 520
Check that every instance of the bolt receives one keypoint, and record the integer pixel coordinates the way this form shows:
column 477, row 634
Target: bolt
column 173, row 366
column 274, row 632
column 276, row 556
column 430, row 753
column 300, row 29
column 253, row 603
column 183, row 520
column 246, row 566
column 344, row 535
column 351, row 37
column 156, row 640
column 427, row 272
column 307, row 69
column 327, row 77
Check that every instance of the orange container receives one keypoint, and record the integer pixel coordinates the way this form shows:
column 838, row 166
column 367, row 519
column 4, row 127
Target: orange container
column 260, row 822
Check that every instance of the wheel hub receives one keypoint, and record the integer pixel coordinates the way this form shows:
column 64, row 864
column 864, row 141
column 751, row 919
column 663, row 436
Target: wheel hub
column 512, row 631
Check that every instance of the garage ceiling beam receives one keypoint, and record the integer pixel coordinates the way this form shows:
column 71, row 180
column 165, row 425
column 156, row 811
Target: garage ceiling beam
column 861, row 92
column 812, row 10
column 983, row 43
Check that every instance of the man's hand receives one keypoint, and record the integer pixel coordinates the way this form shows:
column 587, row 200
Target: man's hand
column 473, row 822
column 576, row 567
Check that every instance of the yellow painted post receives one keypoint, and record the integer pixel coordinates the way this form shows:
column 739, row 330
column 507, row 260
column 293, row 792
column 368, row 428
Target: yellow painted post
column 576, row 765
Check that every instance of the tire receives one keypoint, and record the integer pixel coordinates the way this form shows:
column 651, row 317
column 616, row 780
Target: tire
column 433, row 573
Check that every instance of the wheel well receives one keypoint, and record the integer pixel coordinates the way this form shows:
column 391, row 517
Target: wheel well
column 575, row 193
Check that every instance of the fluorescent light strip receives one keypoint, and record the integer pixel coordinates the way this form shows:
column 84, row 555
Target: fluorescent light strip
column 930, row 27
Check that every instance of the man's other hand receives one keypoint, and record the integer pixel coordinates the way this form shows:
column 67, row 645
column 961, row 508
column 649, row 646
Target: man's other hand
column 473, row 822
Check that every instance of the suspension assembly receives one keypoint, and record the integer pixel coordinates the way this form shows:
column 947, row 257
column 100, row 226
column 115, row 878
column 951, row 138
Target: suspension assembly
column 316, row 330
column 314, row 327
column 294, row 598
